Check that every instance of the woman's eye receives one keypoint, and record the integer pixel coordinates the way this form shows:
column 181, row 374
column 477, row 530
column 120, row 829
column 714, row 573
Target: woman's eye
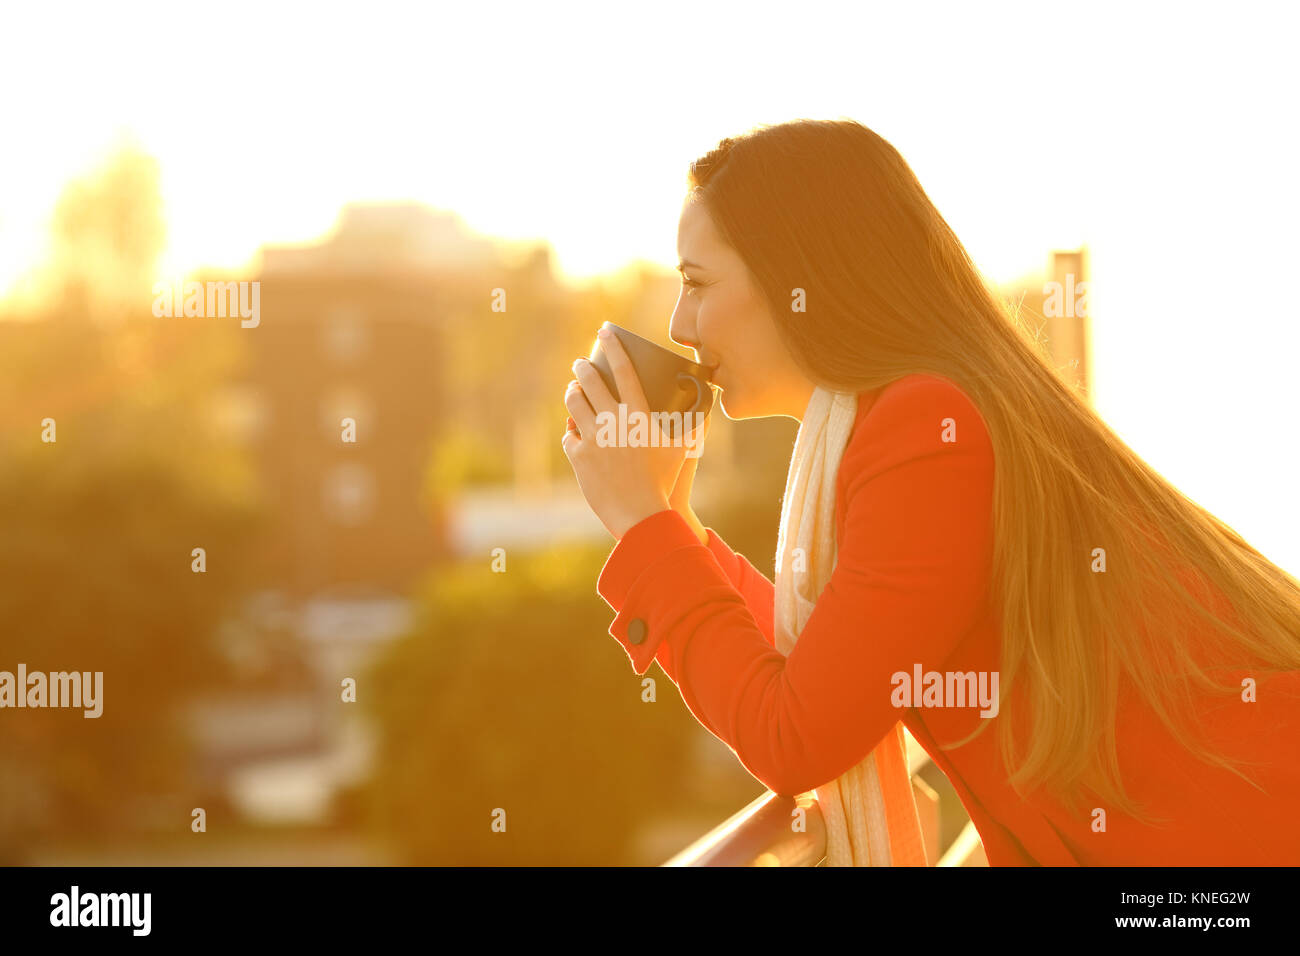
column 689, row 284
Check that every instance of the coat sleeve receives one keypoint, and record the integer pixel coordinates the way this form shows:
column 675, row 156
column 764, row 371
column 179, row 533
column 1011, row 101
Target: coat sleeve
column 754, row 586
column 911, row 579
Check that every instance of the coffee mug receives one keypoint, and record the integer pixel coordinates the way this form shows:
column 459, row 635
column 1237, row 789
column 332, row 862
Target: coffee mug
column 671, row 383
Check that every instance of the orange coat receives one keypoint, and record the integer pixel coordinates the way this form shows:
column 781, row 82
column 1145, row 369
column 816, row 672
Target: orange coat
column 911, row 587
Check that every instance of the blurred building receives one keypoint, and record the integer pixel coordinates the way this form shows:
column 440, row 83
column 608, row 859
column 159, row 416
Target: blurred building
column 388, row 239
column 357, row 339
column 343, row 397
column 1069, row 334
column 1056, row 301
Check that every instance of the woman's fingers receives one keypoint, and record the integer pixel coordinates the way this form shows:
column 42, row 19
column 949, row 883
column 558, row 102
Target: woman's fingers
column 569, row 441
column 679, row 499
column 593, row 386
column 580, row 410
column 625, row 380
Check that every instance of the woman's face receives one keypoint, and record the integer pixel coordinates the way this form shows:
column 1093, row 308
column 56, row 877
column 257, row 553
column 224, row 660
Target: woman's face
column 722, row 315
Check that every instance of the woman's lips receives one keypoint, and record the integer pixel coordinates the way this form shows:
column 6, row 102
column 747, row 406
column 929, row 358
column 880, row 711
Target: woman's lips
column 710, row 370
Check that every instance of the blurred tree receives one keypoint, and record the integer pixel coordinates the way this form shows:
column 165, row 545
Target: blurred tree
column 108, row 231
column 463, row 458
column 99, row 525
column 510, row 693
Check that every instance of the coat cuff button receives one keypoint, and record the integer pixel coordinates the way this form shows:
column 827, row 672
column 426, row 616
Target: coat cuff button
column 636, row 631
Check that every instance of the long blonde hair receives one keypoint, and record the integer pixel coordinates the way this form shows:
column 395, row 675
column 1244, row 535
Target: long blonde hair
column 832, row 208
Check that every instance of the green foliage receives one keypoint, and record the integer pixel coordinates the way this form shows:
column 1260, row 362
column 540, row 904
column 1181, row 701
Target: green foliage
column 511, row 693
column 95, row 572
column 99, row 525
column 107, row 231
column 462, row 458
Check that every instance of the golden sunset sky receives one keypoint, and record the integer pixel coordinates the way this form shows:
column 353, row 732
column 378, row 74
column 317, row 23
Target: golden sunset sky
column 1159, row 135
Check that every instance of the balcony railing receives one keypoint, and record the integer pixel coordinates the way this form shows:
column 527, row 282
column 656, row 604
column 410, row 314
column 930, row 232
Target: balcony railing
column 763, row 833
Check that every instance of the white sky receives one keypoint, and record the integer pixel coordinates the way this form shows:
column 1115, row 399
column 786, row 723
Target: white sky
column 1161, row 134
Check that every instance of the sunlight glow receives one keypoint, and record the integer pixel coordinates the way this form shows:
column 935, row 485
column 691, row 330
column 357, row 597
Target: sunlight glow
column 1161, row 141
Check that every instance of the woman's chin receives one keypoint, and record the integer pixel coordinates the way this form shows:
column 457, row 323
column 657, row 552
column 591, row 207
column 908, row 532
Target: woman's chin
column 730, row 407
column 735, row 406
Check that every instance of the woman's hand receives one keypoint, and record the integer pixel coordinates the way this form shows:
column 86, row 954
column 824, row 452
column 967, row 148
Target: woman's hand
column 623, row 484
column 680, row 497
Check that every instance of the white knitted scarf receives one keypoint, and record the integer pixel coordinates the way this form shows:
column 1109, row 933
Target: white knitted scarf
column 859, row 832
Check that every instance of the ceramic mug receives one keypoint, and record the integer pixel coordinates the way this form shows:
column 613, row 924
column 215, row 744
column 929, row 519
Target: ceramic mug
column 671, row 382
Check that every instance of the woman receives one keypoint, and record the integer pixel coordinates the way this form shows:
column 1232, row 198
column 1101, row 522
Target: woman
column 952, row 508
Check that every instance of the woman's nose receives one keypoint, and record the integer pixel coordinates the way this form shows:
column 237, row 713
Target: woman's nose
column 681, row 328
